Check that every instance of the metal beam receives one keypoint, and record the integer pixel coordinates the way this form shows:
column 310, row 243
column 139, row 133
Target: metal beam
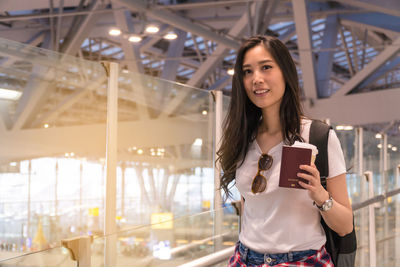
column 131, row 53
column 390, row 7
column 261, row 7
column 34, row 94
column 221, row 83
column 305, row 48
column 175, row 50
column 346, row 51
column 358, row 109
column 373, row 19
column 79, row 32
column 268, row 16
column 325, row 58
column 179, row 22
column 380, row 72
column 69, row 101
column 377, row 62
column 207, row 67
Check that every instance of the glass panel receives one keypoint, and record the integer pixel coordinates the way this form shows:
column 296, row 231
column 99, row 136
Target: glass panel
column 165, row 149
column 372, row 158
column 52, row 147
column 385, row 223
column 55, row 257
column 348, row 142
column 358, row 192
column 393, row 143
column 170, row 242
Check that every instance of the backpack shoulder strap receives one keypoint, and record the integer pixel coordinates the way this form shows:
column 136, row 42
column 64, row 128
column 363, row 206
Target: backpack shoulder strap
column 319, row 134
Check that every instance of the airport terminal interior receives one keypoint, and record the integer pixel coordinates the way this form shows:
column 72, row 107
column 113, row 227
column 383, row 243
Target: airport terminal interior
column 111, row 112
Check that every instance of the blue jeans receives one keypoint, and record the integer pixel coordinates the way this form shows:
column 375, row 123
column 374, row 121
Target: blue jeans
column 251, row 257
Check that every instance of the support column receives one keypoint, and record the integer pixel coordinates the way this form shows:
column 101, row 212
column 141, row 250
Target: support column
column 385, row 189
column 217, row 172
column 364, row 194
column 111, row 162
column 371, row 210
column 28, row 223
column 305, row 48
column 80, row 197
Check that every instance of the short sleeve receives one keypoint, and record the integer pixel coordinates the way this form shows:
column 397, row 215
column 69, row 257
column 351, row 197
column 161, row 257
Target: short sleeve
column 337, row 164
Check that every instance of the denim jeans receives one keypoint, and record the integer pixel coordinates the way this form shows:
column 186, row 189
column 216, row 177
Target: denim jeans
column 252, row 257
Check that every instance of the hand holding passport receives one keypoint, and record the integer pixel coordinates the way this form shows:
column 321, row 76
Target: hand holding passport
column 292, row 157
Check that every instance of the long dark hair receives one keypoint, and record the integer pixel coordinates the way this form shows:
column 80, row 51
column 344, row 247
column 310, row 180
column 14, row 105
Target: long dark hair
column 243, row 118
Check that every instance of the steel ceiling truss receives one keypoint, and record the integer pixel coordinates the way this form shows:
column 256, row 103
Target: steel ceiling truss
column 353, row 44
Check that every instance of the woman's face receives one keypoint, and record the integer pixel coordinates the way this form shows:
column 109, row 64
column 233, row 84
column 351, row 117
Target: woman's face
column 262, row 78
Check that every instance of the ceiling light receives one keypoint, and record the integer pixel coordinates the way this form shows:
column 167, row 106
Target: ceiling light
column 114, row 32
column 198, row 142
column 46, row 125
column 8, row 94
column 140, row 151
column 344, row 127
column 378, row 136
column 394, row 148
column 204, row 112
column 379, row 146
column 152, row 29
column 171, row 36
column 135, row 39
column 390, row 145
column 231, row 72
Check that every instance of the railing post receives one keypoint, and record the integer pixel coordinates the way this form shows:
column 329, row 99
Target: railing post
column 364, row 193
column 217, row 171
column 110, row 250
column 372, row 237
column 385, row 179
column 79, row 249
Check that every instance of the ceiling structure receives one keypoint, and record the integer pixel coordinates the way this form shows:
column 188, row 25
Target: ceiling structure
column 347, row 53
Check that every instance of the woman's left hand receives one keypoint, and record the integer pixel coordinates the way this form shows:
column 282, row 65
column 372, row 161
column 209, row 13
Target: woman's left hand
column 314, row 187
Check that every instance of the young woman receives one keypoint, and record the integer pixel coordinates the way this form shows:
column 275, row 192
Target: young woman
column 280, row 226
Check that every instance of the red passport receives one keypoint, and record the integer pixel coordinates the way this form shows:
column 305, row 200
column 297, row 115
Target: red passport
column 292, row 158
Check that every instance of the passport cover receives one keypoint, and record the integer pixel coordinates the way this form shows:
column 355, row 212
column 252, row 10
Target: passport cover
column 292, row 158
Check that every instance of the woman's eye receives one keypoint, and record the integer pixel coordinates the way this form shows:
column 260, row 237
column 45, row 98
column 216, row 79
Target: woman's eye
column 265, row 67
column 245, row 72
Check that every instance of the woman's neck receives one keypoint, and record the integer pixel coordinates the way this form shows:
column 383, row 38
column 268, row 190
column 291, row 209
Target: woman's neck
column 270, row 123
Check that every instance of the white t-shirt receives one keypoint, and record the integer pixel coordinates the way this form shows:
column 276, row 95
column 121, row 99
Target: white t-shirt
column 279, row 219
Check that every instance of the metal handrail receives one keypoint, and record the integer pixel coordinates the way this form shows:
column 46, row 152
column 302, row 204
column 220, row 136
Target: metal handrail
column 375, row 199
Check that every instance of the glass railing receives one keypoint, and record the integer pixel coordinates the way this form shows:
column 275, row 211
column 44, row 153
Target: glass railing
column 53, row 146
column 387, row 223
column 165, row 148
column 386, row 216
column 53, row 257
column 169, row 242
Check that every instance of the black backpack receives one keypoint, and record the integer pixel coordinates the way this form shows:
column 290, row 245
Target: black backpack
column 342, row 249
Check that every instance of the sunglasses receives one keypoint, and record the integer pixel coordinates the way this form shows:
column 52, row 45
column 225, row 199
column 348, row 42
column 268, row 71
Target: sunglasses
column 259, row 181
